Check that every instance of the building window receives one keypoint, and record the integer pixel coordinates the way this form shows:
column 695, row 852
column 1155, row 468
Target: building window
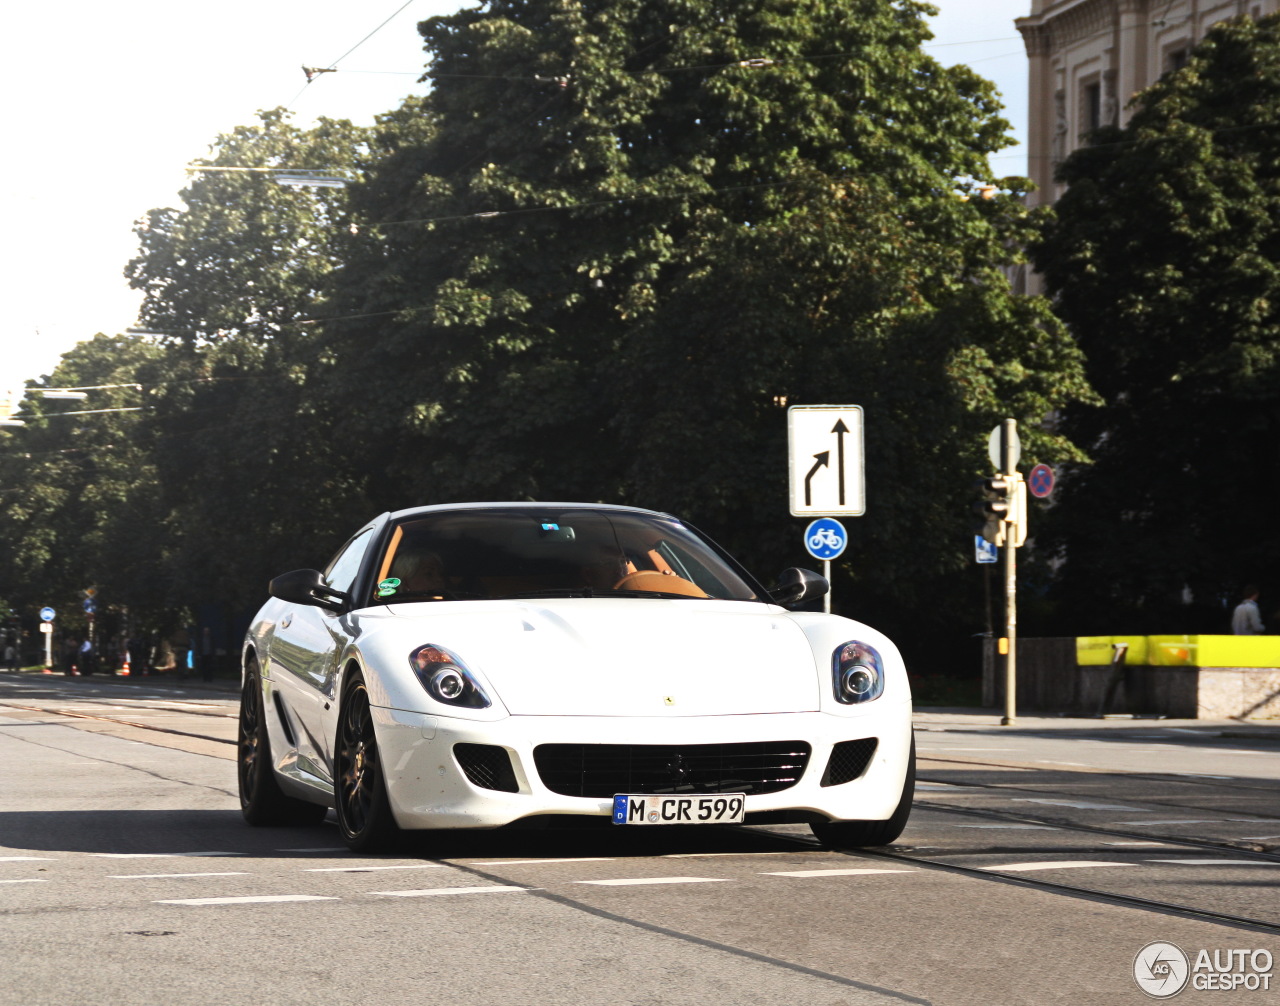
column 1175, row 60
column 1091, row 107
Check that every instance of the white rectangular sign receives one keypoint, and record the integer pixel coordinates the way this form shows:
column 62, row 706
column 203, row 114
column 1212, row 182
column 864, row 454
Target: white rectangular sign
column 824, row 457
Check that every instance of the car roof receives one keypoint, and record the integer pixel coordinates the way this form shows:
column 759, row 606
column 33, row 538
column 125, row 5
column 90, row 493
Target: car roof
column 522, row 505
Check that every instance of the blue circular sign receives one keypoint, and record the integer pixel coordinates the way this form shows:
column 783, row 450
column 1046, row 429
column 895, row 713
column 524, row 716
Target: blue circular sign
column 825, row 538
column 46, row 614
column 89, row 606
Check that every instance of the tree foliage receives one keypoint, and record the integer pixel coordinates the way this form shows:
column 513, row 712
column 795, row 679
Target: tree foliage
column 1164, row 258
column 634, row 232
column 597, row 262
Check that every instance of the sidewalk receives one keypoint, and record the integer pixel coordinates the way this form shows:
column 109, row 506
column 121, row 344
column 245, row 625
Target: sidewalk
column 224, row 683
column 957, row 718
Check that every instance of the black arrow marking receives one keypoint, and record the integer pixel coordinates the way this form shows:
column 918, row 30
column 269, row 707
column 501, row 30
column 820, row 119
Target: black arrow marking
column 823, row 457
column 840, row 430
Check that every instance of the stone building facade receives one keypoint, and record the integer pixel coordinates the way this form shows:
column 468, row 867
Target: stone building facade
column 1088, row 58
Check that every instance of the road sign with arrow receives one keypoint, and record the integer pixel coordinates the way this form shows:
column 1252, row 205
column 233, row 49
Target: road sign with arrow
column 825, row 460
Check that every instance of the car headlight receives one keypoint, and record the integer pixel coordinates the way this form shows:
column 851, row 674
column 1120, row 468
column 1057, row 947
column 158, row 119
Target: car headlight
column 857, row 673
column 446, row 678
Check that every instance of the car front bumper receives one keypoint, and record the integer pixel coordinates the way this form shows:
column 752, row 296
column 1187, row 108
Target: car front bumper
column 428, row 788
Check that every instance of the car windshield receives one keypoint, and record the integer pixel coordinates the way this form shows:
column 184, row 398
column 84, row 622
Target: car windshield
column 512, row 553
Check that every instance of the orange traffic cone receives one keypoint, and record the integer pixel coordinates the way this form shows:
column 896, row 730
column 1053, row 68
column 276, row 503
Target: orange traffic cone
column 124, row 671
column 47, row 670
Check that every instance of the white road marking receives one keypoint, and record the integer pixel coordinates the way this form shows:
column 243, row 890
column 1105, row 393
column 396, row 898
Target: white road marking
column 165, row 876
column 1153, row 824
column 335, row 848
column 925, row 749
column 1009, row 827
column 159, row 855
column 1257, row 838
column 1082, row 804
column 937, row 786
column 1198, row 775
column 29, row 880
column 831, row 873
column 371, row 869
column 263, row 900
column 707, row 855
column 1215, row 862
column 20, row 859
column 1063, row 864
column 528, row 862
column 1145, row 845
column 452, row 890
column 636, row 881
column 1055, row 761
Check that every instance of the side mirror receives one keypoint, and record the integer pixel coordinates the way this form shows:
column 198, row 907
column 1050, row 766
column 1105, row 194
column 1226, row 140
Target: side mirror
column 306, row 586
column 796, row 585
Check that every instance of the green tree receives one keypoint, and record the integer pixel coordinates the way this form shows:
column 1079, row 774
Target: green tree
column 1164, row 259
column 617, row 238
column 232, row 281
column 81, row 494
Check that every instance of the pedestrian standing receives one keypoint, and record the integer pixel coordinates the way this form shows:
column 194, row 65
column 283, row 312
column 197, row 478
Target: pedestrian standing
column 1246, row 620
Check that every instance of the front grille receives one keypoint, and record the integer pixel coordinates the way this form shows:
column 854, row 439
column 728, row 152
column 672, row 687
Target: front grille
column 487, row 766
column 849, row 759
column 604, row 770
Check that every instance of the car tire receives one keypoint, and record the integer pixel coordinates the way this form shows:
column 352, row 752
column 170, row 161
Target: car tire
column 359, row 785
column 261, row 801
column 867, row 834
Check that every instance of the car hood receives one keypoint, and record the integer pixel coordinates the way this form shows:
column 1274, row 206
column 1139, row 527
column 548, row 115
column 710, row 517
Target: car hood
column 628, row 656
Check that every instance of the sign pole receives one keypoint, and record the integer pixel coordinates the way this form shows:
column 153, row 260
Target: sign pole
column 1009, row 438
column 826, row 598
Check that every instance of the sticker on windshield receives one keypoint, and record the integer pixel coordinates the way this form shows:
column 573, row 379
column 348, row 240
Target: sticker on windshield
column 388, row 586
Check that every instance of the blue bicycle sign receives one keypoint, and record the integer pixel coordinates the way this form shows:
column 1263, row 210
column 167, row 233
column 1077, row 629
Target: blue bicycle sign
column 825, row 538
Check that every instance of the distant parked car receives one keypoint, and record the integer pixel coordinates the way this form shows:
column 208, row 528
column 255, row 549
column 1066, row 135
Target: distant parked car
column 486, row 664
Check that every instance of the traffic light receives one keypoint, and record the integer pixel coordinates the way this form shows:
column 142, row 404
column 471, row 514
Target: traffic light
column 1003, row 509
column 993, row 508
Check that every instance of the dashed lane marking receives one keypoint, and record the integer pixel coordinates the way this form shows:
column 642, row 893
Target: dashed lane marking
column 262, row 900
column 436, row 891
column 26, row 859
column 535, row 862
column 1009, row 827
column 166, row 876
column 831, row 873
column 160, row 855
column 29, row 880
column 371, row 869
column 1081, row 804
column 638, row 881
column 1062, row 864
column 1216, row 862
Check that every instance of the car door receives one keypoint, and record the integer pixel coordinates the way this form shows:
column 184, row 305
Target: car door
column 304, row 661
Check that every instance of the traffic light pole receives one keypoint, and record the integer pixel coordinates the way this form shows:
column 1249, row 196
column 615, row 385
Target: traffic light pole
column 1008, row 440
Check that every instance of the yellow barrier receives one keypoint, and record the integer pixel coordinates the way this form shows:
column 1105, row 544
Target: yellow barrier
column 1183, row 651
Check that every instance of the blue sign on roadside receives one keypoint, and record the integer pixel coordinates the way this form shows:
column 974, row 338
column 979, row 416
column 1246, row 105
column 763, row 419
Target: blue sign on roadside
column 983, row 550
column 89, row 606
column 46, row 614
column 825, row 538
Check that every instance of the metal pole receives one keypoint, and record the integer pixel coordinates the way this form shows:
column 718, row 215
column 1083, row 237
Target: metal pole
column 826, row 599
column 48, row 649
column 1010, row 582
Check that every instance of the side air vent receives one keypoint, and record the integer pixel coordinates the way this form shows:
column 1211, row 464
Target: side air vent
column 849, row 759
column 487, row 766
column 285, row 724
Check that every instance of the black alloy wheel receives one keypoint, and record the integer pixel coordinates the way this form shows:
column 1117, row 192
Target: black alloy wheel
column 261, row 801
column 360, row 791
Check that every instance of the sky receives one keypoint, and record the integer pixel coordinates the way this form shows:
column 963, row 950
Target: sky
column 105, row 104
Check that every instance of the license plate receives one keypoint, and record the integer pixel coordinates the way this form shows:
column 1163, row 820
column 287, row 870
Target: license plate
column 688, row 808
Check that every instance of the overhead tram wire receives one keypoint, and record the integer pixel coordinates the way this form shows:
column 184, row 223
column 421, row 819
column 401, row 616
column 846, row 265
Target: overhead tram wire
column 334, row 65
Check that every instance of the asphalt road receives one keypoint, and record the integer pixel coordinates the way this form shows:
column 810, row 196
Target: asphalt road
column 1039, row 861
